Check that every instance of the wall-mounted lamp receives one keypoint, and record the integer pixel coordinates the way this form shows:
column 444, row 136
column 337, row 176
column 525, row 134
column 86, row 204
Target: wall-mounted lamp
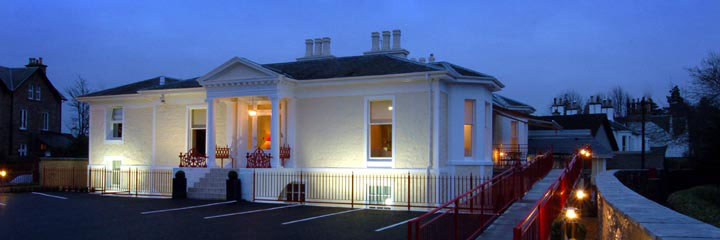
column 390, row 108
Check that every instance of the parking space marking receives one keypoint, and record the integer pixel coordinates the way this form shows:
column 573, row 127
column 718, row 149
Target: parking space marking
column 253, row 211
column 2, row 204
column 48, row 195
column 394, row 225
column 322, row 216
column 185, row 208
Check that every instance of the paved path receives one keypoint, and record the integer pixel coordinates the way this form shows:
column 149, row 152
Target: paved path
column 502, row 227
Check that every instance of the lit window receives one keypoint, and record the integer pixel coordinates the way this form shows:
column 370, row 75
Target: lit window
column 198, row 124
column 30, row 92
column 469, row 121
column 116, row 124
column 23, row 150
column 23, row 119
column 381, row 132
column 45, row 121
column 37, row 93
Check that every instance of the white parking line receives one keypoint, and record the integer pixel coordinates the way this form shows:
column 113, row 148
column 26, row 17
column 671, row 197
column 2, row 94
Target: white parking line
column 190, row 207
column 392, row 226
column 253, row 211
column 48, row 195
column 322, row 216
column 2, row 204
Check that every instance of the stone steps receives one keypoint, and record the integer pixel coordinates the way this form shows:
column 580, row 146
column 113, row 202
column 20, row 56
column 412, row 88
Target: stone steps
column 211, row 186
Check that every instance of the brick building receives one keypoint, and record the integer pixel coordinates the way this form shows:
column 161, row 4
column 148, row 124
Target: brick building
column 30, row 112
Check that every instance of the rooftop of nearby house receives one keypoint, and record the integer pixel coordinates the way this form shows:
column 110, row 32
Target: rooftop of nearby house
column 13, row 77
column 592, row 122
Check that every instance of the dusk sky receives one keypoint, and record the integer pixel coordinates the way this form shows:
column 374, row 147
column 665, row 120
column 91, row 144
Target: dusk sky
column 535, row 48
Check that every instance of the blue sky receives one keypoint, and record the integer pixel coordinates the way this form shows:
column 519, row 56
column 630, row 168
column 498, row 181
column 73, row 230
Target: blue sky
column 537, row 48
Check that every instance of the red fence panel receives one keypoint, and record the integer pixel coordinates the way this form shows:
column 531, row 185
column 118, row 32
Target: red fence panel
column 468, row 214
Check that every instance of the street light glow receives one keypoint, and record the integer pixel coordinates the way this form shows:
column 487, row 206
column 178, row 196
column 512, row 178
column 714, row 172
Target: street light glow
column 580, row 194
column 570, row 214
column 3, row 173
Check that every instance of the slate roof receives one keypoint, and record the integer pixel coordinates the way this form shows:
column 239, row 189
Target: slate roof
column 133, row 87
column 353, row 66
column 461, row 70
column 14, row 77
column 510, row 103
column 593, row 122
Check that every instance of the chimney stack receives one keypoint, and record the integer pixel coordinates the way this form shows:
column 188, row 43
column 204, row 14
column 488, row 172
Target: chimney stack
column 422, row 59
column 431, row 58
column 162, row 80
column 375, row 41
column 308, row 47
column 36, row 62
column 318, row 47
column 326, row 46
column 396, row 39
column 385, row 40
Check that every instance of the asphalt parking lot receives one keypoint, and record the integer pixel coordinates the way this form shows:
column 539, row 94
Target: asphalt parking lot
column 89, row 216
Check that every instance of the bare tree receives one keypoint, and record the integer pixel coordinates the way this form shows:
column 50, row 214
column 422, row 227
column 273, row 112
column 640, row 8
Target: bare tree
column 706, row 78
column 80, row 124
column 619, row 98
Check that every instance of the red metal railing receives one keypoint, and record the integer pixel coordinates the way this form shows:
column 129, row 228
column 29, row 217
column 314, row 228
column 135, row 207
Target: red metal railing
column 380, row 189
column 468, row 214
column 537, row 224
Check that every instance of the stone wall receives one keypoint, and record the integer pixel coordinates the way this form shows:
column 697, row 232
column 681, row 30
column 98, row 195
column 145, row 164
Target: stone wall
column 625, row 214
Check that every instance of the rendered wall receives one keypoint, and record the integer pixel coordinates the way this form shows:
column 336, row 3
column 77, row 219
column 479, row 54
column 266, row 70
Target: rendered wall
column 330, row 131
column 136, row 145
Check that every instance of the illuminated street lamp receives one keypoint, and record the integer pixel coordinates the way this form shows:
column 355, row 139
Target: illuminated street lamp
column 580, row 194
column 570, row 216
column 3, row 173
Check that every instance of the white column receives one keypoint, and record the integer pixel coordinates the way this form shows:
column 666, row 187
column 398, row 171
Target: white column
column 243, row 136
column 231, row 125
column 291, row 111
column 275, row 132
column 210, row 133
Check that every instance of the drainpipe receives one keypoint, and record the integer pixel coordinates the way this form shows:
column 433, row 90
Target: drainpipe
column 430, row 129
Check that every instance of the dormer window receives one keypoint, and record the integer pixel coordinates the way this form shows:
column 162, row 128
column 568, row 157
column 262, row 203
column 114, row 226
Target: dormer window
column 31, row 92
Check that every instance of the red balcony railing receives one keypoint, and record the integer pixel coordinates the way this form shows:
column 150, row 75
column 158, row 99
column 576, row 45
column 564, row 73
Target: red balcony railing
column 537, row 224
column 468, row 214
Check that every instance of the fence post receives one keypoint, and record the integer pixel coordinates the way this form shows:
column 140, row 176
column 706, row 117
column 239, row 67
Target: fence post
column 136, row 182
column 408, row 190
column 72, row 171
column 352, row 189
column 129, row 180
column 253, row 186
column 472, row 199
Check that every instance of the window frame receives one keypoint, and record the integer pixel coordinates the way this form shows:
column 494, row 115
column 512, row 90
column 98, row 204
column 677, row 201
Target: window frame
column 37, row 93
column 473, row 129
column 23, row 150
column 45, row 121
column 23, row 119
column 31, row 92
column 188, row 124
column 110, row 123
column 379, row 162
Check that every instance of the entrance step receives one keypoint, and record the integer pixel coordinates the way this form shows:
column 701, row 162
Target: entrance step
column 211, row 186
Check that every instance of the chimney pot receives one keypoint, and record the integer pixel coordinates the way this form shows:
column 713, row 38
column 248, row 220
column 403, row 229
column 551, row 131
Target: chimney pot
column 385, row 40
column 326, row 46
column 308, row 47
column 431, row 58
column 162, row 80
column 396, row 39
column 318, row 47
column 375, row 36
column 422, row 60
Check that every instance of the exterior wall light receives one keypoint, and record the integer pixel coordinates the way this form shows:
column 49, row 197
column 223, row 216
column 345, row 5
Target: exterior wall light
column 252, row 113
column 3, row 173
column 571, row 214
column 390, row 108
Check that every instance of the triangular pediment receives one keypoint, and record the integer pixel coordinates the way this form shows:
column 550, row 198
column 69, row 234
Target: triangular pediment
column 237, row 70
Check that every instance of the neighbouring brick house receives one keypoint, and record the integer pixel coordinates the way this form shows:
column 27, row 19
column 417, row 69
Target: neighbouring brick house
column 30, row 115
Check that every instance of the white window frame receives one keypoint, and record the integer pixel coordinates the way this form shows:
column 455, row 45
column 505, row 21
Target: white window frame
column 31, row 92
column 37, row 93
column 45, row 121
column 109, row 125
column 23, row 150
column 23, row 119
column 188, row 124
column 378, row 162
column 473, row 135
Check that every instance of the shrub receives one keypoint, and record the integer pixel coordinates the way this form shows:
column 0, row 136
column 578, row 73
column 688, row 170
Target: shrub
column 701, row 203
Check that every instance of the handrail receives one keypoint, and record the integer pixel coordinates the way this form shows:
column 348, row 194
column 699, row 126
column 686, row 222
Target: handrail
column 541, row 229
column 493, row 197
